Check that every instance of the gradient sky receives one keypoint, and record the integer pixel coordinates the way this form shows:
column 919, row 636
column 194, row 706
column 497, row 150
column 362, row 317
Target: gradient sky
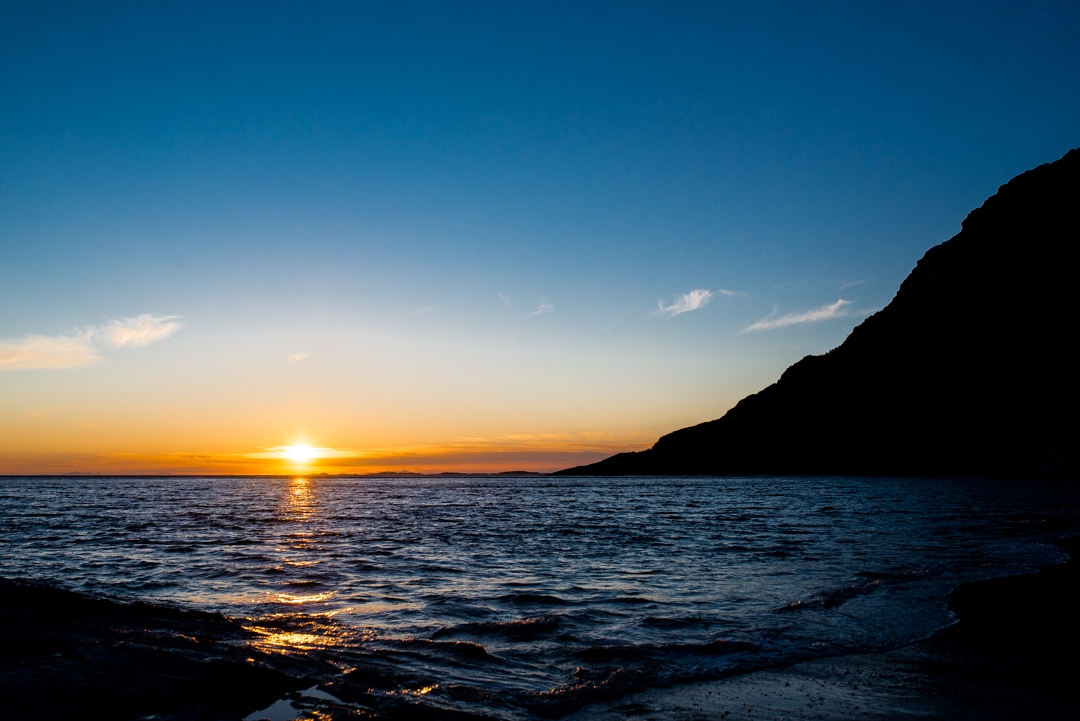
column 473, row 235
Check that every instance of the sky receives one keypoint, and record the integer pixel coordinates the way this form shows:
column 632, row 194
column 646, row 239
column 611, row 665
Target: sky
column 473, row 236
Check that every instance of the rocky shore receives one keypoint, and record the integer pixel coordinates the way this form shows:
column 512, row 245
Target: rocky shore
column 1012, row 654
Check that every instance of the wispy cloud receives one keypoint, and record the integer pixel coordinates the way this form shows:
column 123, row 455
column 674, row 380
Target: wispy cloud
column 295, row 357
column 852, row 283
column 43, row 413
column 689, row 301
column 730, row 293
column 535, row 436
column 37, row 352
column 140, row 330
column 542, row 308
column 839, row 309
column 42, row 352
column 504, row 298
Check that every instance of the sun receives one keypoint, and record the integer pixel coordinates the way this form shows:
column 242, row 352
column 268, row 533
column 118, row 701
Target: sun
column 300, row 453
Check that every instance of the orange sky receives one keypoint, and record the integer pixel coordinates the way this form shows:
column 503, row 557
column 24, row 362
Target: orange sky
column 197, row 400
column 475, row 456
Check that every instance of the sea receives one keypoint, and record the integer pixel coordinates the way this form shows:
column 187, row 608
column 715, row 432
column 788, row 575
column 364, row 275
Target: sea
column 528, row 597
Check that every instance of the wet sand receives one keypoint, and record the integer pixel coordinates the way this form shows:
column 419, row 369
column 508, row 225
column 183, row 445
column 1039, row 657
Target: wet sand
column 1014, row 654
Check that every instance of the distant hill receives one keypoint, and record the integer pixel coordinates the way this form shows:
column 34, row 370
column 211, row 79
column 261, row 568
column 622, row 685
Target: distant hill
column 970, row 370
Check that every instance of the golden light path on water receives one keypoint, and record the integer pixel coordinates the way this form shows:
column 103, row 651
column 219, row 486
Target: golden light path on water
column 299, row 506
column 302, row 630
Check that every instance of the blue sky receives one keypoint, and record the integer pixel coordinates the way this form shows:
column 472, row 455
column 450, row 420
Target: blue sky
column 469, row 218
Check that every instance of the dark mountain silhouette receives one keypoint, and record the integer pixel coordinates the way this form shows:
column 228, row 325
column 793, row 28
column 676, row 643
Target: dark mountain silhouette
column 970, row 370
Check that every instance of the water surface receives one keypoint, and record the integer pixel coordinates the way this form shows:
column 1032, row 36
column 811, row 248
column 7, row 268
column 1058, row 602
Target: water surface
column 524, row 596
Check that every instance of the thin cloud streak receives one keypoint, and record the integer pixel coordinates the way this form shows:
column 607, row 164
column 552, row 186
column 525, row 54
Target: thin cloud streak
column 139, row 331
column 37, row 352
column 542, row 308
column 839, row 309
column 689, row 301
column 296, row 357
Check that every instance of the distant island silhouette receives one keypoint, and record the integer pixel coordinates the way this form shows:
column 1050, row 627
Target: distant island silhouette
column 969, row 370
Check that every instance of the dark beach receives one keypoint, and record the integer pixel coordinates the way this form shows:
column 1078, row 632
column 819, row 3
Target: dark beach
column 1012, row 654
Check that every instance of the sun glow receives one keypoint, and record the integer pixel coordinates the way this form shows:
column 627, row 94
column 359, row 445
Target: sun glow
column 300, row 453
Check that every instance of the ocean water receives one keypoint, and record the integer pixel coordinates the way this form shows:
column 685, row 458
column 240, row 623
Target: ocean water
column 525, row 597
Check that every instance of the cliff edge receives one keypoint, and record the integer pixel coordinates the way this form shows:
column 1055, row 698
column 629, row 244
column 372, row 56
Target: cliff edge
column 970, row 369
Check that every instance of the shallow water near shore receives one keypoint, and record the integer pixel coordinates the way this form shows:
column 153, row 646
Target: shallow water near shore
column 530, row 596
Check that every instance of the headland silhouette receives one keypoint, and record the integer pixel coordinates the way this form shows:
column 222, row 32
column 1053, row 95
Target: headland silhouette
column 969, row 370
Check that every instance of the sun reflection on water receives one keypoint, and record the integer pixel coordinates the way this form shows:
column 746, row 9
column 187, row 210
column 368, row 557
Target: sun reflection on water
column 300, row 489
column 289, row 633
column 297, row 630
column 296, row 599
column 294, row 640
column 423, row 691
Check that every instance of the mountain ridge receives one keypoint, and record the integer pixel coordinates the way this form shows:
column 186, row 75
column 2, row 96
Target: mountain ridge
column 967, row 371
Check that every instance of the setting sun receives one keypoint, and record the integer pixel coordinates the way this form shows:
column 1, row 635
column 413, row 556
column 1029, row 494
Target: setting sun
column 300, row 453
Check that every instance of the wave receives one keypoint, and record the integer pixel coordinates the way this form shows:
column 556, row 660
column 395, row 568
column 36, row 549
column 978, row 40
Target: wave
column 640, row 652
column 454, row 649
column 522, row 629
column 539, row 599
column 834, row 599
